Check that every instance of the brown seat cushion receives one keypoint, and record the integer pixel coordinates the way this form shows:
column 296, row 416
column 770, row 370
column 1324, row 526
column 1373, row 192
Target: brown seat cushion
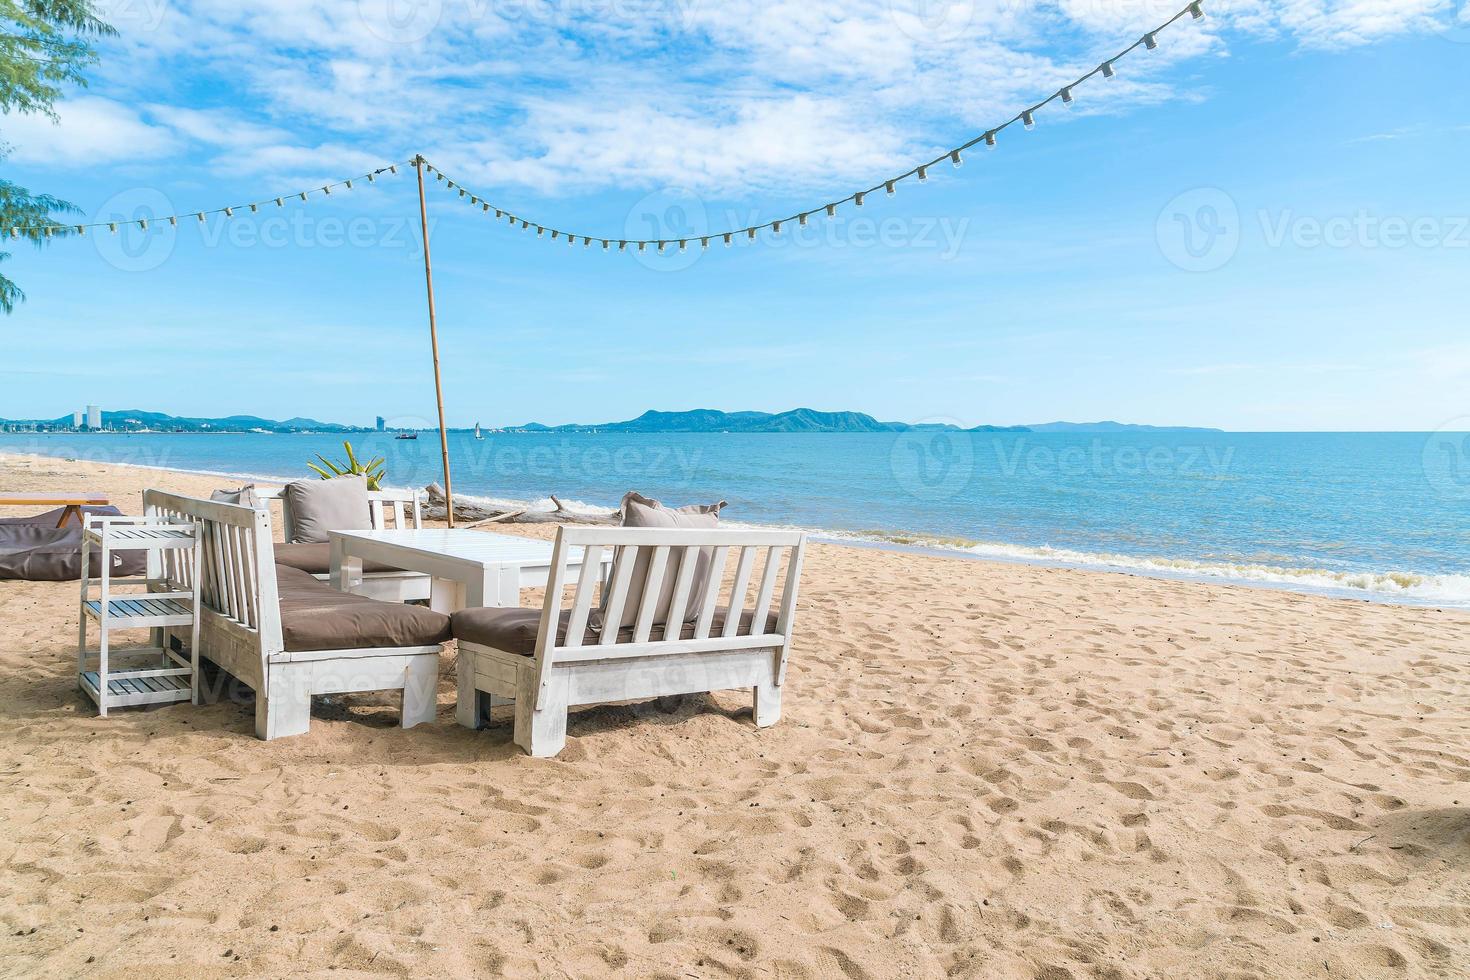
column 315, row 616
column 317, row 559
column 515, row 630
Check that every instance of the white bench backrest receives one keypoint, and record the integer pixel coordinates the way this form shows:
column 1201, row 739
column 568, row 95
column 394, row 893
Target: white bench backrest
column 386, row 508
column 674, row 553
column 237, row 573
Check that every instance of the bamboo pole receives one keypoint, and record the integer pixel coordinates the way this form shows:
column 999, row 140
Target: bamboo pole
column 418, row 164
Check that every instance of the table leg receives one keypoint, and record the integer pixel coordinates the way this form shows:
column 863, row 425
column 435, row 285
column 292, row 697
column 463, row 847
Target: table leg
column 71, row 510
column 346, row 569
column 446, row 596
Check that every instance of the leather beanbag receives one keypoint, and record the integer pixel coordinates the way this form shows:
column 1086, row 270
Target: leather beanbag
column 38, row 553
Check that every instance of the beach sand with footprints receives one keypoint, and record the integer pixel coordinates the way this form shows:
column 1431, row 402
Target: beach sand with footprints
column 983, row 770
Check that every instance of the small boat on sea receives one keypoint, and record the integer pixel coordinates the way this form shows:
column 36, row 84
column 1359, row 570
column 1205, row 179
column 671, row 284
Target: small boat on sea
column 478, row 434
column 407, row 435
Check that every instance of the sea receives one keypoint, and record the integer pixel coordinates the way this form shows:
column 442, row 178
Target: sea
column 1377, row 516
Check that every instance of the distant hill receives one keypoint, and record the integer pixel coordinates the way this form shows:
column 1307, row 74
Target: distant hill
column 1112, row 427
column 810, row 420
column 710, row 420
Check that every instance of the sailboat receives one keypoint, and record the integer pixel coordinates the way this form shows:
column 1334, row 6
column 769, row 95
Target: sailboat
column 478, row 433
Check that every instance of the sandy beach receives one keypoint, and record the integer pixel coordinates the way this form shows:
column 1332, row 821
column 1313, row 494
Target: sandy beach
column 983, row 770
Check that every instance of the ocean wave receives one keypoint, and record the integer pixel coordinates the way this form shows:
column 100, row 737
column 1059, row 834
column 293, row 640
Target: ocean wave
column 1392, row 585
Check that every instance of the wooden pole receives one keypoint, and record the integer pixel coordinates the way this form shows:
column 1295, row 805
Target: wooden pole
column 418, row 164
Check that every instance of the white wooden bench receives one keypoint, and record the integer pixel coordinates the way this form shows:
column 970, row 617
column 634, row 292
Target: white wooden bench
column 241, row 626
column 389, row 508
column 571, row 660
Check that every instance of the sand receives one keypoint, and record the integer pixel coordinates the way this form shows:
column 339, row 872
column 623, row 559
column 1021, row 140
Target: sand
column 983, row 770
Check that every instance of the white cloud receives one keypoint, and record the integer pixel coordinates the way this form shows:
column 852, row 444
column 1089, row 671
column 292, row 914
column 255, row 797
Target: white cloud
column 90, row 131
column 719, row 97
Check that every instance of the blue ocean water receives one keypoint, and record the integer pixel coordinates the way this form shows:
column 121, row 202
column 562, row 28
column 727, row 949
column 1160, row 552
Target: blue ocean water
column 1378, row 515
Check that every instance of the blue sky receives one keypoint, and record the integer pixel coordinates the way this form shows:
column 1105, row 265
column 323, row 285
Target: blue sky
column 1260, row 226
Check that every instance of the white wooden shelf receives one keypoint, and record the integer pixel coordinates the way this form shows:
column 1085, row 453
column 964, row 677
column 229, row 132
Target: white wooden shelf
column 155, row 674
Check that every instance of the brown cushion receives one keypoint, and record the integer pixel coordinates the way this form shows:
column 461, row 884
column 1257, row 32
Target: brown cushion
column 639, row 511
column 315, row 616
column 515, row 630
column 317, row 559
column 319, row 506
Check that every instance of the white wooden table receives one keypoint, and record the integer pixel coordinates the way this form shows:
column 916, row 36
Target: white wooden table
column 468, row 570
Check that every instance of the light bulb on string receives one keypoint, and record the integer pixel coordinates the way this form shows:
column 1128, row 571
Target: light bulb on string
column 1068, row 99
column 1028, row 119
column 857, row 198
column 1150, row 42
column 1108, row 71
column 729, row 240
column 831, row 210
column 990, row 140
column 1196, row 11
column 956, row 159
column 889, row 187
column 924, row 174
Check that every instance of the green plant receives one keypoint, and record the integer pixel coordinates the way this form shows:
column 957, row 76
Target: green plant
column 373, row 470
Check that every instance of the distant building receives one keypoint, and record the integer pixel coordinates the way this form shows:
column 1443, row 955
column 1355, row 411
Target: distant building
column 76, row 420
column 382, row 423
column 94, row 417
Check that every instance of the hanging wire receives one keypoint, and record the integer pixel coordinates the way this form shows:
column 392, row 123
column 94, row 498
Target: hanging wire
column 889, row 186
column 1026, row 117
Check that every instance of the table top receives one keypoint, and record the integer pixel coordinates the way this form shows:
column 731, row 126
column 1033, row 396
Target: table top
column 477, row 547
column 73, row 501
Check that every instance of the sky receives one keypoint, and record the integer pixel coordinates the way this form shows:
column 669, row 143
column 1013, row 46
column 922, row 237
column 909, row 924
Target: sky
column 1259, row 226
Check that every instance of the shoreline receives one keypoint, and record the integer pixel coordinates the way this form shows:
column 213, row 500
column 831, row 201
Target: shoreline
column 1292, row 580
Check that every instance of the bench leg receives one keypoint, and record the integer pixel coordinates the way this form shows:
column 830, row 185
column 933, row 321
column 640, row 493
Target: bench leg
column 767, row 704
column 467, row 699
column 286, row 708
column 542, row 732
column 421, row 691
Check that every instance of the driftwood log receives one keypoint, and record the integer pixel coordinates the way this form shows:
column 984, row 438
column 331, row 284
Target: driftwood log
column 476, row 515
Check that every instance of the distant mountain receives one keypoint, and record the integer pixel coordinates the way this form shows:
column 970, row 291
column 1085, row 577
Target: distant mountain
column 710, row 420
column 1112, row 427
column 136, row 420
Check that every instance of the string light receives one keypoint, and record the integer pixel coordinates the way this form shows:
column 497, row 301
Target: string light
column 1066, row 95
